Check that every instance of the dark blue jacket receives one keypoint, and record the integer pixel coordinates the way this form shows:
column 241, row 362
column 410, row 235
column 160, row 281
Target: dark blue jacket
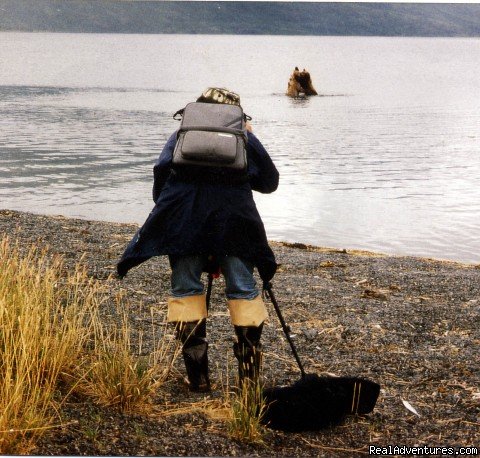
column 204, row 218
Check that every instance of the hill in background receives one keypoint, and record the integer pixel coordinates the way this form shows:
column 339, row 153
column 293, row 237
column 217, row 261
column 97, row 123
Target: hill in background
column 264, row 18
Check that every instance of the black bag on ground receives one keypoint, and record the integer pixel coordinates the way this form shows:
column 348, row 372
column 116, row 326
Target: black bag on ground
column 211, row 136
column 315, row 402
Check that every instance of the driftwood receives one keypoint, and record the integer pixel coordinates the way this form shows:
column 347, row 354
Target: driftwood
column 300, row 83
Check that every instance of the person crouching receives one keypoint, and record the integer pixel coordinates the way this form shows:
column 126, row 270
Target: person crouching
column 197, row 219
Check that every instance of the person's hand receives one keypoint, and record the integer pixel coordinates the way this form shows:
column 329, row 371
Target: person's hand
column 248, row 126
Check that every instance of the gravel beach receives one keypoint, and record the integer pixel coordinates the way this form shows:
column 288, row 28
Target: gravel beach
column 410, row 324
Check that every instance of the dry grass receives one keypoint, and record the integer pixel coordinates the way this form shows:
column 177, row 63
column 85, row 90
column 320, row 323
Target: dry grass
column 215, row 409
column 118, row 377
column 52, row 336
column 45, row 319
column 247, row 407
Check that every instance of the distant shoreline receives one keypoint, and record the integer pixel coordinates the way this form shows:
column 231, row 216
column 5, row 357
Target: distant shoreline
column 62, row 32
column 243, row 17
column 307, row 247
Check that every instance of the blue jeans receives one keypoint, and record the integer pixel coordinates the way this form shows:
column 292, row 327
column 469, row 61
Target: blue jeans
column 187, row 271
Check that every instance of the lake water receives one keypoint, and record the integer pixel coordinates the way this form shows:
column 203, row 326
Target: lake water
column 387, row 158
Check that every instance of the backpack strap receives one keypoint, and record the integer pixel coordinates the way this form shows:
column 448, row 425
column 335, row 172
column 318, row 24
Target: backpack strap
column 179, row 113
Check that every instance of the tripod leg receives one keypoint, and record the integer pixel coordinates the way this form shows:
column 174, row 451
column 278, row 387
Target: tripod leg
column 271, row 296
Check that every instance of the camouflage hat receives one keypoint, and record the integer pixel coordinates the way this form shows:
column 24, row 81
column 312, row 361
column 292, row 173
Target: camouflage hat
column 219, row 95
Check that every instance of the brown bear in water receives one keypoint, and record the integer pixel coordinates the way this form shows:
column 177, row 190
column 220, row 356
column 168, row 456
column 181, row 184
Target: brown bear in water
column 300, row 82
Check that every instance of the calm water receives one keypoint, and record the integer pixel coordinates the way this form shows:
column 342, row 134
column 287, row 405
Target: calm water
column 386, row 159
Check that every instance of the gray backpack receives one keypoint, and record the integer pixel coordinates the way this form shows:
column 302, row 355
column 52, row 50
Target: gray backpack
column 211, row 135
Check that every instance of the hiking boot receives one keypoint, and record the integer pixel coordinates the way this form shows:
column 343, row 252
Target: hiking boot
column 194, row 352
column 248, row 351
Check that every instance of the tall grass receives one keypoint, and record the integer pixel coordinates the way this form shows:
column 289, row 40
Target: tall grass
column 45, row 319
column 119, row 377
column 247, row 407
column 52, row 335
